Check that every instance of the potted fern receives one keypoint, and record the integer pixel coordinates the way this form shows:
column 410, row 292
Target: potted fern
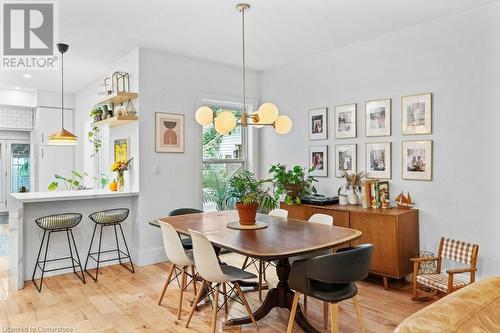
column 250, row 195
column 292, row 183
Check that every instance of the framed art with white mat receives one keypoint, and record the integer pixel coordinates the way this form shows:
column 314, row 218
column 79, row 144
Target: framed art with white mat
column 378, row 117
column 416, row 114
column 345, row 159
column 318, row 124
column 318, row 160
column 345, row 121
column 416, row 160
column 378, row 160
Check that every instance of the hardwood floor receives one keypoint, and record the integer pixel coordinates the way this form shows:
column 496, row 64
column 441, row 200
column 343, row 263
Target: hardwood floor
column 124, row 302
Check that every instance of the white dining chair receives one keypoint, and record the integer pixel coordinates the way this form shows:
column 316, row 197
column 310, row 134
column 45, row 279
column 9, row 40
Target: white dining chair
column 278, row 212
column 212, row 272
column 321, row 219
column 262, row 265
column 180, row 261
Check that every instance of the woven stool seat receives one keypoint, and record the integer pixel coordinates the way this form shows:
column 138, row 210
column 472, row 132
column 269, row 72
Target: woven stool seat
column 110, row 216
column 59, row 221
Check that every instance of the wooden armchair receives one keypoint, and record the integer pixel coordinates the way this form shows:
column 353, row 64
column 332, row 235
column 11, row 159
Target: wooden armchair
column 457, row 251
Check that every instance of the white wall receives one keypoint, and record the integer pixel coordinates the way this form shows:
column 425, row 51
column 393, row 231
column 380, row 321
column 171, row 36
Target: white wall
column 85, row 100
column 174, row 84
column 457, row 59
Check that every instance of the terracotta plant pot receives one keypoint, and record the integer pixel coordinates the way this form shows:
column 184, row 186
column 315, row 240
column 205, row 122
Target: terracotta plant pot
column 247, row 213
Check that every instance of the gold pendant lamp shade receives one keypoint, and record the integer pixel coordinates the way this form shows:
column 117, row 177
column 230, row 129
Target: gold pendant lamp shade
column 63, row 136
column 267, row 115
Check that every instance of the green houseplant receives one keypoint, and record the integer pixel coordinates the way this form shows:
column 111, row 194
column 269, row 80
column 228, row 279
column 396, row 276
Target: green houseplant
column 216, row 190
column 76, row 181
column 291, row 184
column 250, row 194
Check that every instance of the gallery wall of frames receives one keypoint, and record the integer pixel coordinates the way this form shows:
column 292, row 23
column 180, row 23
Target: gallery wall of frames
column 416, row 152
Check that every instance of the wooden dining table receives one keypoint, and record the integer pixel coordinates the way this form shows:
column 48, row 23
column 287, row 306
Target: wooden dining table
column 279, row 241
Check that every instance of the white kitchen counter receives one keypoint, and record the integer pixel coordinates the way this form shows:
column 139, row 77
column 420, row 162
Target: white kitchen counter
column 69, row 195
column 25, row 235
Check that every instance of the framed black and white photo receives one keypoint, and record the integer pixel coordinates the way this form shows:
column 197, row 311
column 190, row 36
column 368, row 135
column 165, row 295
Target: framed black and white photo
column 318, row 161
column 345, row 159
column 318, row 124
column 416, row 114
column 378, row 160
column 345, row 121
column 416, row 160
column 378, row 117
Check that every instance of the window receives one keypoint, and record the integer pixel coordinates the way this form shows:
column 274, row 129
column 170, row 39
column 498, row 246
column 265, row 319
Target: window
column 223, row 155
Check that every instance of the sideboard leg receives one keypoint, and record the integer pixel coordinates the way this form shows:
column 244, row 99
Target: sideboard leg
column 386, row 282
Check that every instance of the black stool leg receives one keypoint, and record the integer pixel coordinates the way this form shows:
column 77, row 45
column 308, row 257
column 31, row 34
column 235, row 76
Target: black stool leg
column 70, row 251
column 39, row 288
column 128, row 253
column 89, row 253
column 117, row 246
column 38, row 259
column 98, row 254
column 73, row 260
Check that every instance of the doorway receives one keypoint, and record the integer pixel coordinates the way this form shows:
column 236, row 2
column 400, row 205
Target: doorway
column 15, row 170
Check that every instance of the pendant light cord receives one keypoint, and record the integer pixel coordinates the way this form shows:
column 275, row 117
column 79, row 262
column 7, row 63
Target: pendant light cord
column 62, row 90
column 243, row 58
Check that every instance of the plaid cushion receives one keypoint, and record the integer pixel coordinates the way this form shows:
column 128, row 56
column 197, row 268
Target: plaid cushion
column 457, row 251
column 439, row 281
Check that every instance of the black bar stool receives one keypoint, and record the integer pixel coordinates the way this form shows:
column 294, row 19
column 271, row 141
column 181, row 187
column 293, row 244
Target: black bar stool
column 58, row 223
column 107, row 218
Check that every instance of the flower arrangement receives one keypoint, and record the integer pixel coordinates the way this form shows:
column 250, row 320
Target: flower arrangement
column 120, row 167
column 352, row 180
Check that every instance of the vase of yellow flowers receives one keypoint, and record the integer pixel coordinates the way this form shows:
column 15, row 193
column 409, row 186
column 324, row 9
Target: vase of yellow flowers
column 120, row 167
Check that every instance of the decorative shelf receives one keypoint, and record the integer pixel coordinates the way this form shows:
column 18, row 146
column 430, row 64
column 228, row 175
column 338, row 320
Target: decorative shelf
column 116, row 121
column 118, row 97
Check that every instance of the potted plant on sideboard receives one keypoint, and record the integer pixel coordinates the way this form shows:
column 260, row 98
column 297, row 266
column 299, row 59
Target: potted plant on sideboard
column 291, row 184
column 250, row 194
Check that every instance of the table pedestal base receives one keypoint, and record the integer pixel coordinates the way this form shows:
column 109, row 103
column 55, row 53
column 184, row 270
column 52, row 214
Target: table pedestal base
column 279, row 297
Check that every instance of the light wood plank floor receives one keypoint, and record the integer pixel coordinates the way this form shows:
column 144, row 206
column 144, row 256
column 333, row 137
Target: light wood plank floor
column 124, row 302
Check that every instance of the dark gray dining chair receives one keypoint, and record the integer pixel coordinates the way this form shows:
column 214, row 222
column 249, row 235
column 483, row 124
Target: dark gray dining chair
column 187, row 243
column 331, row 278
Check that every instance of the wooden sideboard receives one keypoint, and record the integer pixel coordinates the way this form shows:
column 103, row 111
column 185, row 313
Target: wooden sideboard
column 394, row 233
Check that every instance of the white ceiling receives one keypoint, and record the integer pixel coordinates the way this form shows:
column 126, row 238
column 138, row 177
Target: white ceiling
column 278, row 31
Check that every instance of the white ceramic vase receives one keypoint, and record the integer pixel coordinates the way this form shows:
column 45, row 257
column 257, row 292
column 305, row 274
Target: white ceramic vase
column 353, row 198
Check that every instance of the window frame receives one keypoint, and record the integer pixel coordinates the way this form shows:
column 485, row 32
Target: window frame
column 244, row 139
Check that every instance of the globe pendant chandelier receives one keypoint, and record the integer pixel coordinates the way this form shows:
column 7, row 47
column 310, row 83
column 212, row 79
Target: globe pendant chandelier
column 266, row 115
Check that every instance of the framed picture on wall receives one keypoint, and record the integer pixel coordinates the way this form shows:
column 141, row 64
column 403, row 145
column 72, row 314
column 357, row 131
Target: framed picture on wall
column 345, row 159
column 120, row 150
column 416, row 114
column 378, row 160
column 416, row 160
column 169, row 133
column 345, row 121
column 318, row 160
column 378, row 117
column 318, row 124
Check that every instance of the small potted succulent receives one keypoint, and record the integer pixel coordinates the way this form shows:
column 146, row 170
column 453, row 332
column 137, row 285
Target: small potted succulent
column 291, row 184
column 250, row 195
